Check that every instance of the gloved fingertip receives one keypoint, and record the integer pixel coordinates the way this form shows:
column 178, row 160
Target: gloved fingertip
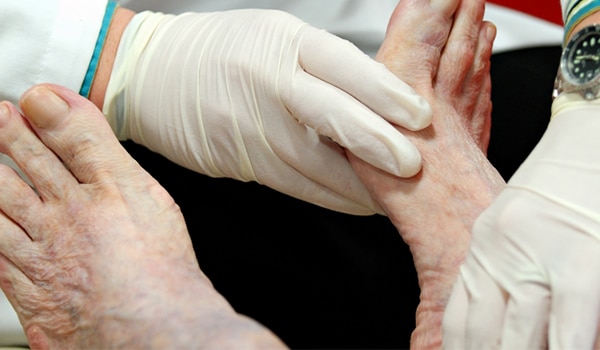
column 416, row 115
column 410, row 164
column 425, row 115
column 400, row 160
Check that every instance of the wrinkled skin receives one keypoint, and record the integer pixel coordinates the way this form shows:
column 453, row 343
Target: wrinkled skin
column 101, row 249
column 101, row 252
column 442, row 49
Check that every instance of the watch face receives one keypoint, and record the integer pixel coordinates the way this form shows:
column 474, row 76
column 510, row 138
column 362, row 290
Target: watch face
column 582, row 56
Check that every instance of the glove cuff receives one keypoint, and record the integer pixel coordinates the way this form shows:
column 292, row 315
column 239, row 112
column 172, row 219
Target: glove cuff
column 568, row 101
column 118, row 95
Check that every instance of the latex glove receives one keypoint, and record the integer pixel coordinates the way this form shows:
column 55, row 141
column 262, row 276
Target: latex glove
column 258, row 95
column 532, row 278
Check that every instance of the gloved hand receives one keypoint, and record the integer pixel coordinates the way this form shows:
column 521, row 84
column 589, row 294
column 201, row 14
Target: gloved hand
column 532, row 277
column 258, row 95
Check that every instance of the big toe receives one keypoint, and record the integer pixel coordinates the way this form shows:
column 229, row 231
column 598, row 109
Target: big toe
column 416, row 35
column 75, row 130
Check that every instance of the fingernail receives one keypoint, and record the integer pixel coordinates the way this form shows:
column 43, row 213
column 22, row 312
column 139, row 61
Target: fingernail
column 43, row 107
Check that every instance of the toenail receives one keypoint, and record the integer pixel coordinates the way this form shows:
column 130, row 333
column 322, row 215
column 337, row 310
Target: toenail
column 43, row 107
column 490, row 32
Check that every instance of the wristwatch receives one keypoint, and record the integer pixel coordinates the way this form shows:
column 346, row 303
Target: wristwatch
column 579, row 70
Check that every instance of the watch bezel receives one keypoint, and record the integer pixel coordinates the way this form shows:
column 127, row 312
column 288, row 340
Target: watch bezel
column 565, row 80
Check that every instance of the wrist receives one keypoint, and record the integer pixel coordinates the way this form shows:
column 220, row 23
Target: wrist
column 119, row 22
column 577, row 81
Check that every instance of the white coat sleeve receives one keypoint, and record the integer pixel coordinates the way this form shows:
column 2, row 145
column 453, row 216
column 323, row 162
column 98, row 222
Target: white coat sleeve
column 42, row 41
column 563, row 4
column 46, row 41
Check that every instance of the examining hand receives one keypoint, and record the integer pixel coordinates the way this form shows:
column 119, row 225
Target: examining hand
column 260, row 96
column 532, row 279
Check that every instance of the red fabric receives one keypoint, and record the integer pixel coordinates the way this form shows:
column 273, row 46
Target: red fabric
column 545, row 9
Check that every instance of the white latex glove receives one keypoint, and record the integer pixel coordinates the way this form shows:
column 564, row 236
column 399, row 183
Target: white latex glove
column 532, row 278
column 258, row 95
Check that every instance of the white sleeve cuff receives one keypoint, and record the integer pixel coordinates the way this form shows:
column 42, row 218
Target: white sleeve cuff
column 50, row 41
column 563, row 4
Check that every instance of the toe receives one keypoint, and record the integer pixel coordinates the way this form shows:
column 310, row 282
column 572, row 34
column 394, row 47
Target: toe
column 416, row 35
column 460, row 51
column 13, row 278
column 76, row 131
column 479, row 83
column 40, row 165
column 445, row 7
column 18, row 202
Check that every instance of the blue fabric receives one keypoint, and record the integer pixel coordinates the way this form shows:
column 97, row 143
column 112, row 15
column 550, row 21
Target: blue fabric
column 91, row 72
column 577, row 11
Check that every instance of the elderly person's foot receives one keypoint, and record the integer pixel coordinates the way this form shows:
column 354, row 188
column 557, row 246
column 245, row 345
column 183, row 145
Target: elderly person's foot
column 98, row 255
column 442, row 48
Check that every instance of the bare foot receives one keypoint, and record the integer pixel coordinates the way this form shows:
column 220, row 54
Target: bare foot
column 445, row 56
column 100, row 255
column 441, row 48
